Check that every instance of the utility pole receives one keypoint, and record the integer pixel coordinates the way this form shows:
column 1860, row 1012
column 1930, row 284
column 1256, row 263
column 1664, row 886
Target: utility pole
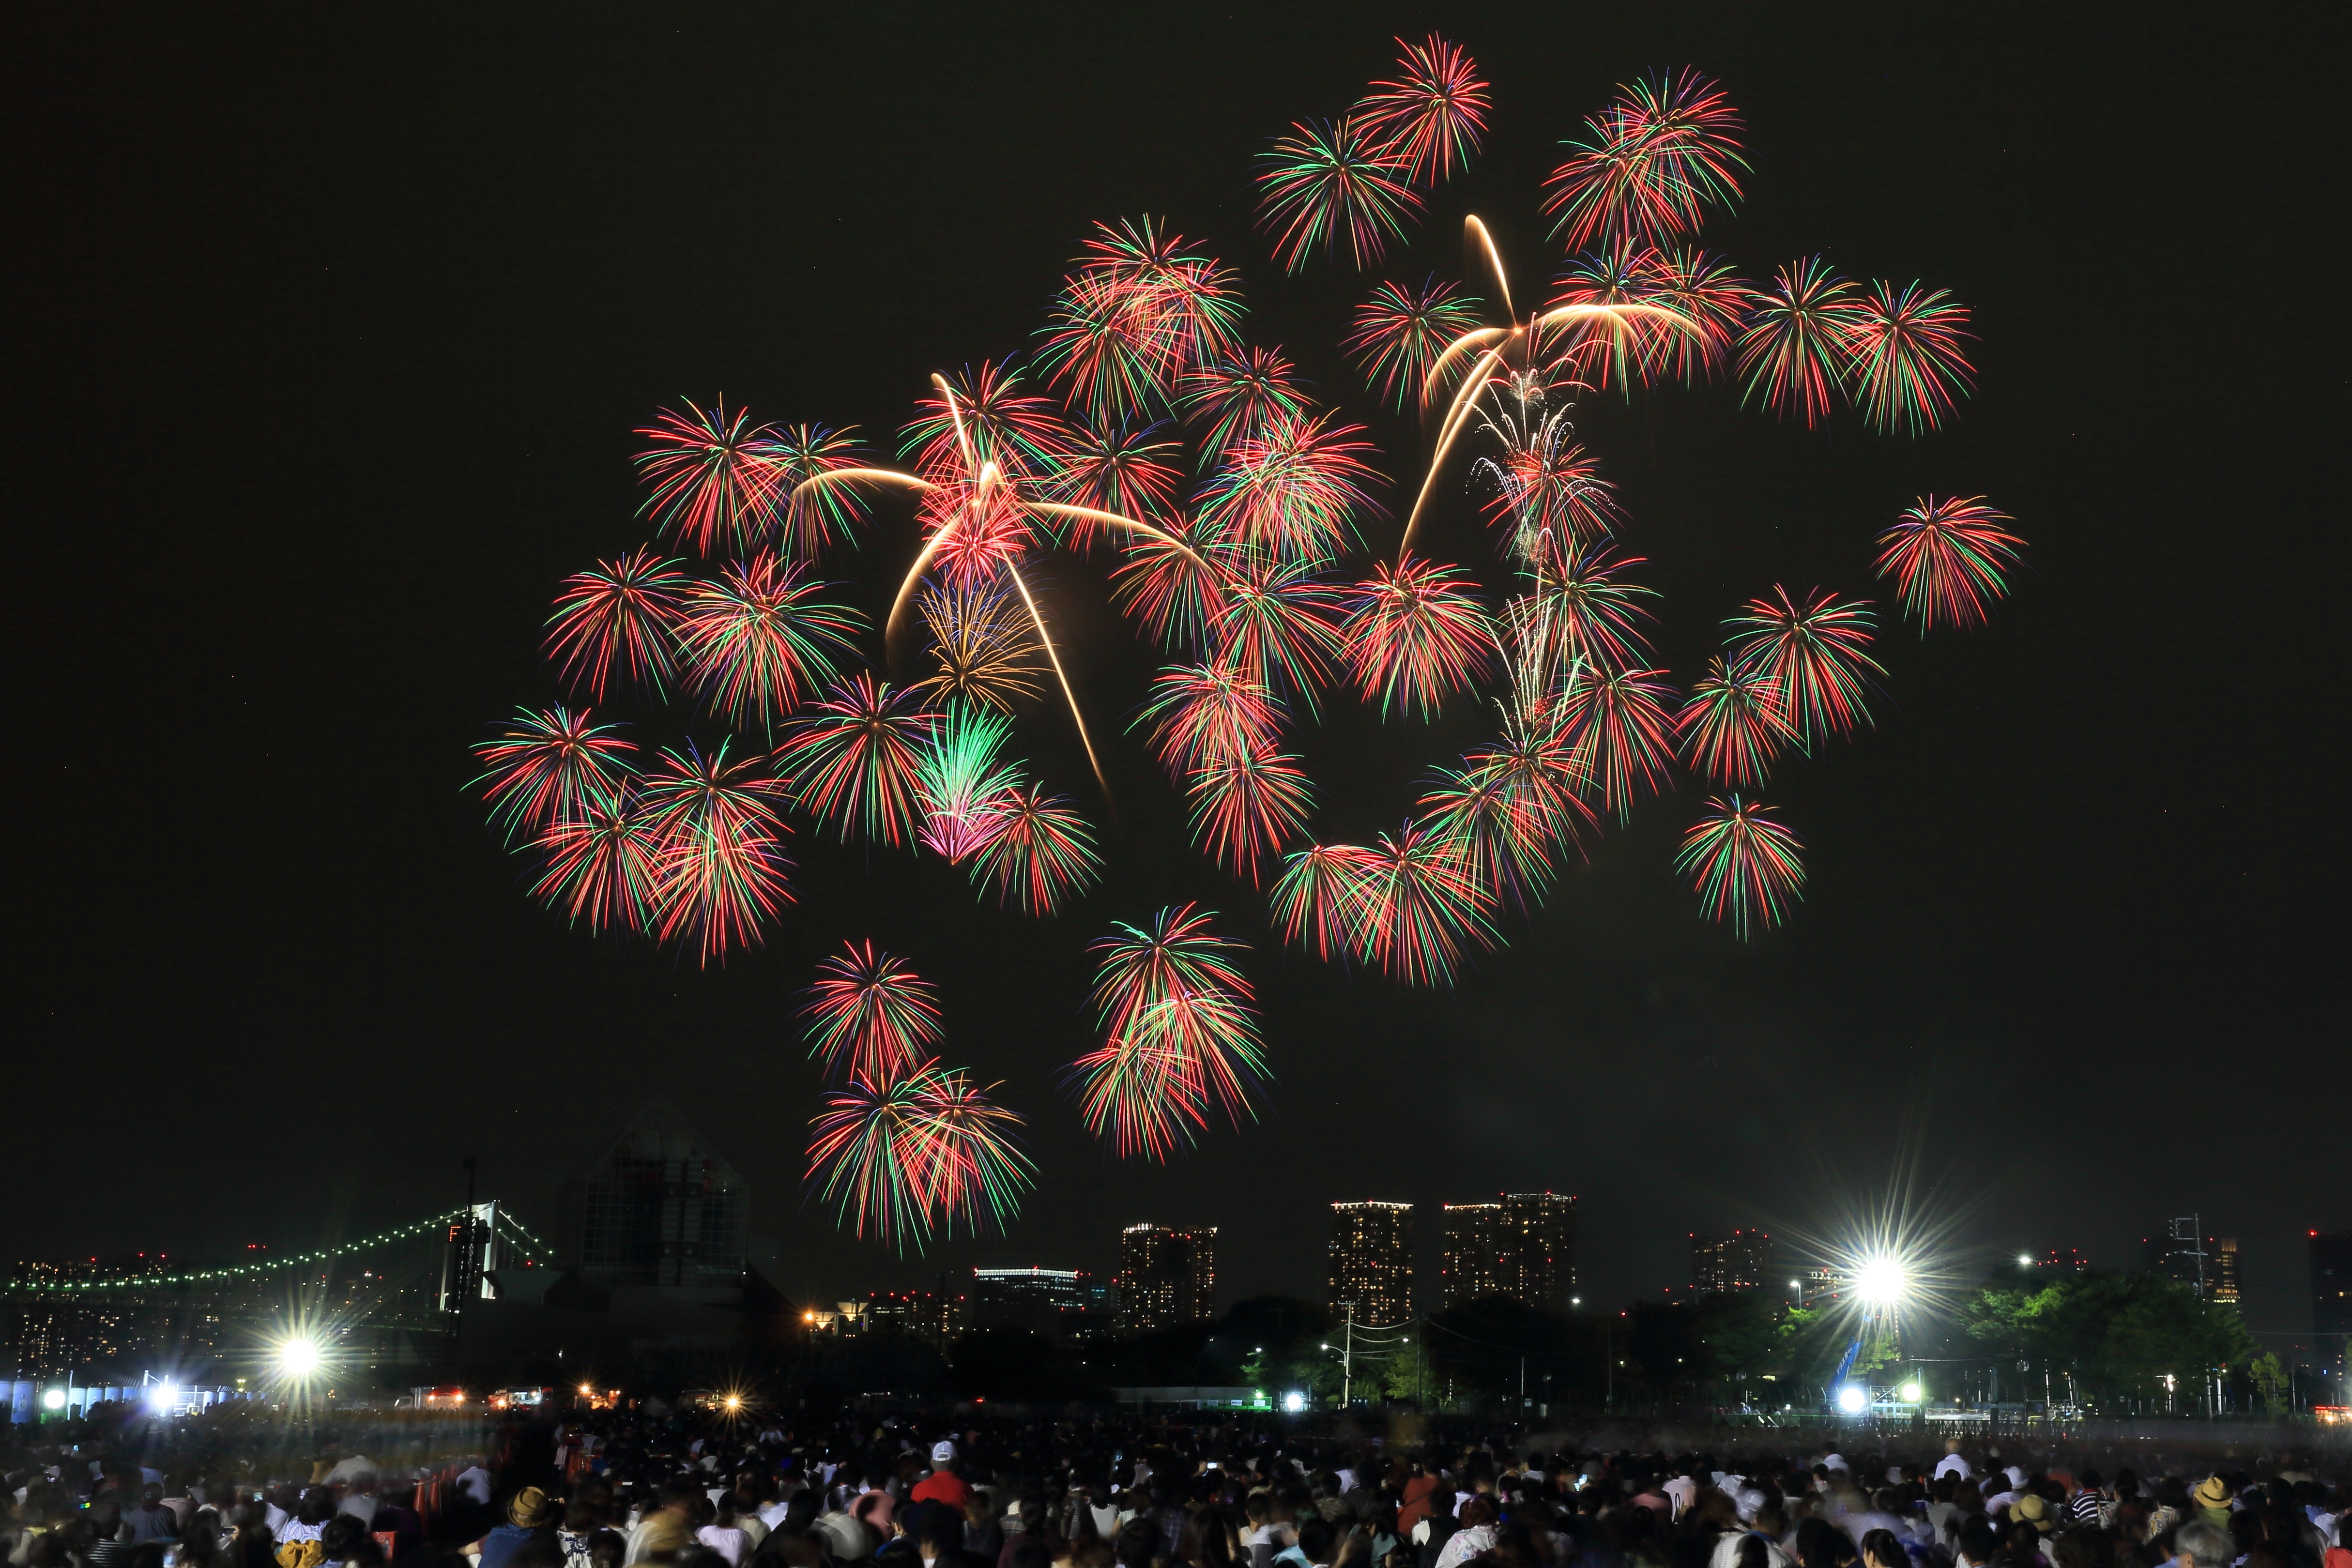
column 1348, row 1359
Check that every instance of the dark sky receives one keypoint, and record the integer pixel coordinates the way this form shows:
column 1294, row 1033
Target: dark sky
column 330, row 328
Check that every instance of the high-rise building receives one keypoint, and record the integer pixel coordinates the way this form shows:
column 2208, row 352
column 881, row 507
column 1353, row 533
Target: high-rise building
column 2184, row 1254
column 1049, row 1301
column 1739, row 1261
column 1522, row 1246
column 1540, row 1228
column 1371, row 1261
column 2064, row 1260
column 2221, row 1257
column 658, row 1207
column 2331, row 1284
column 1475, row 1261
column 1166, row 1276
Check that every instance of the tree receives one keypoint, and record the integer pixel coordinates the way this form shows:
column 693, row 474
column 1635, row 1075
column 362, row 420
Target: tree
column 1410, row 1375
column 2121, row 1334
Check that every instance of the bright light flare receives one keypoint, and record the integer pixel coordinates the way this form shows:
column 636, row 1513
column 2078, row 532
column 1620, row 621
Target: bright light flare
column 1851, row 1399
column 299, row 1357
column 1882, row 1281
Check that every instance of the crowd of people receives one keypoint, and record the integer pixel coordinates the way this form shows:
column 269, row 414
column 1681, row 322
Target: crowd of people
column 621, row 1489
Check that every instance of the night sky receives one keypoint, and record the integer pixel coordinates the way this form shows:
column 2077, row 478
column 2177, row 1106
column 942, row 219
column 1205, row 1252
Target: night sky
column 330, row 328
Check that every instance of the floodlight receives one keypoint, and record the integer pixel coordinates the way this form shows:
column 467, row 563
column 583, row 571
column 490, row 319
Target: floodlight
column 2024, row 1260
column 299, row 1357
column 1881, row 1281
column 55, row 1399
column 1294, row 1402
column 1851, row 1399
column 1911, row 1393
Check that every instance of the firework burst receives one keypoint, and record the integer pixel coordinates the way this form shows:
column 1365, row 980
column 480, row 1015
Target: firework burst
column 982, row 646
column 1417, row 635
column 1035, row 851
column 1734, row 724
column 869, row 1015
column 917, row 1157
column 1649, row 164
column 1179, row 1021
column 1800, row 340
column 1946, row 557
column 550, row 766
column 1330, row 186
column 602, row 865
column 1743, row 864
column 1906, row 350
column 963, row 781
column 1619, row 726
column 1400, row 331
column 760, row 642
column 1201, row 714
column 1246, row 806
column 1432, row 115
column 858, row 758
column 724, row 868
column 621, row 617
column 1817, row 657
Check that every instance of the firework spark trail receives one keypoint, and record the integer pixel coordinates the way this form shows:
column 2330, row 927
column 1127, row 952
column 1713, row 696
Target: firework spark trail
column 550, row 766
column 1817, row 657
column 869, row 1015
column 621, row 616
column 1947, row 558
column 974, row 454
column 856, row 758
column 1734, row 724
column 1743, row 864
column 1432, row 116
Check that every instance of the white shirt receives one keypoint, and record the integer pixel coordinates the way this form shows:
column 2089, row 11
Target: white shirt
column 1464, row 1544
column 1953, row 1464
column 474, row 1482
column 1681, row 1489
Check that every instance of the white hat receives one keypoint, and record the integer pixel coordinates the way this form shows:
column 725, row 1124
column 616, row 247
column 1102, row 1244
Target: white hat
column 941, row 1452
column 2016, row 1476
column 1750, row 1502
